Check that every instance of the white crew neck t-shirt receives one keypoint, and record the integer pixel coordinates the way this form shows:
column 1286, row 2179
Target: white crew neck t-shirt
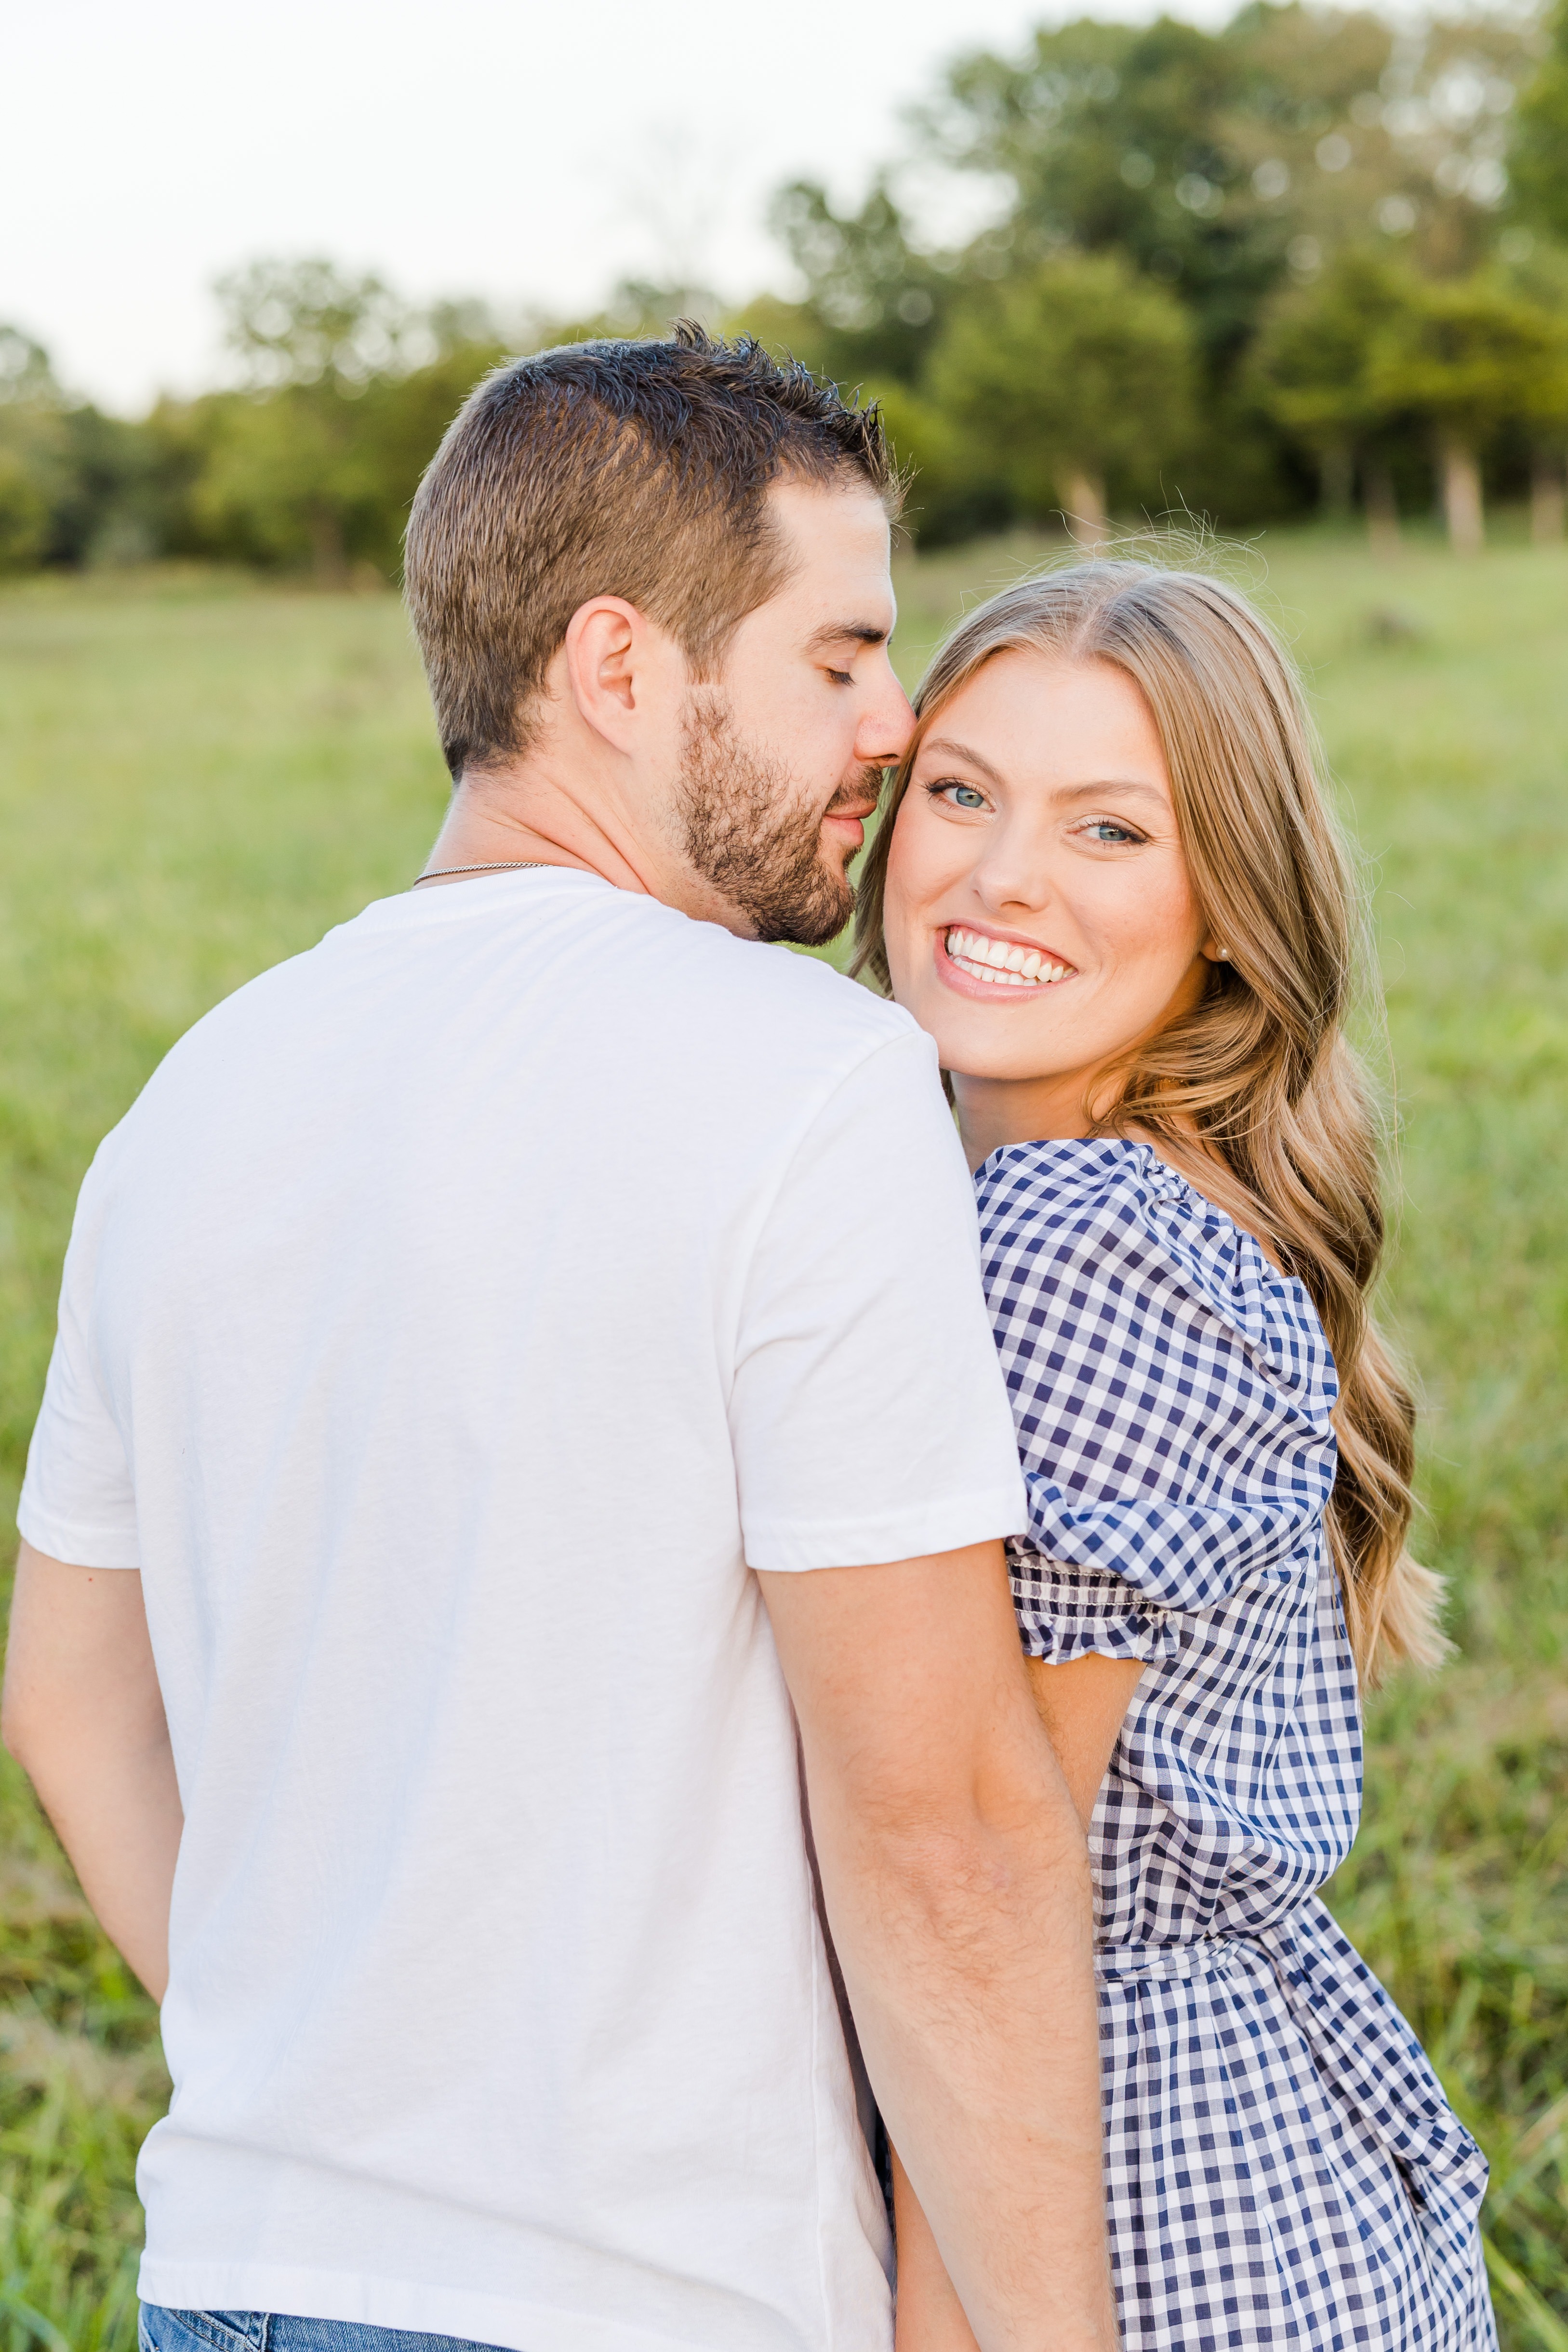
column 460, row 1308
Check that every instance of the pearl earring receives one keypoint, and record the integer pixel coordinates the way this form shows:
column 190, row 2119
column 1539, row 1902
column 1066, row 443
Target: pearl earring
column 1224, row 954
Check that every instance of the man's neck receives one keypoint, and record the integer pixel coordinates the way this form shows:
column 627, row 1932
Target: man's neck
column 526, row 814
column 517, row 818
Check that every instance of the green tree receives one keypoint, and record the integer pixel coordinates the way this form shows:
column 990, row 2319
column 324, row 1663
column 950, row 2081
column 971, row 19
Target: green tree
column 25, row 502
column 1225, row 163
column 129, row 486
column 1228, row 166
column 953, row 492
column 1538, row 159
column 1466, row 358
column 34, row 461
column 1112, row 137
column 795, row 329
column 26, row 379
column 875, row 304
column 1311, row 367
column 305, row 323
column 284, row 479
column 77, row 486
column 292, row 466
column 1539, row 274
column 1071, row 386
column 404, row 423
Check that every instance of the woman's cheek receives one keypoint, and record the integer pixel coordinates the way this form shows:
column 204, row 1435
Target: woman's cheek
column 900, row 898
column 896, row 937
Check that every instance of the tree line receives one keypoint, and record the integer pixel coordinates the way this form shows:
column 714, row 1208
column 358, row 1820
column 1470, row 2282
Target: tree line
column 1316, row 261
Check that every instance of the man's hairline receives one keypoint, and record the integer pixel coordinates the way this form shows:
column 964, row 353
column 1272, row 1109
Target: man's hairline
column 844, row 477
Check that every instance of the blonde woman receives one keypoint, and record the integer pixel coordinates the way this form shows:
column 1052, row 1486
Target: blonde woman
column 1109, row 888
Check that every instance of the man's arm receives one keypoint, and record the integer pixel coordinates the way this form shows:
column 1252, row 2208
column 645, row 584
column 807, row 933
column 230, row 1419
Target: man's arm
column 1081, row 1706
column 83, row 1715
column 957, row 1888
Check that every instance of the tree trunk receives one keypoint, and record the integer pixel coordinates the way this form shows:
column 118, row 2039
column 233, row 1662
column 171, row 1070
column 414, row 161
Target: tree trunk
column 1461, row 495
column 1336, row 478
column 1545, row 497
column 1382, row 508
column 1086, row 510
column 329, row 556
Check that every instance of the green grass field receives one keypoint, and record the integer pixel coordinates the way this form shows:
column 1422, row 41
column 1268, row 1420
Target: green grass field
column 197, row 776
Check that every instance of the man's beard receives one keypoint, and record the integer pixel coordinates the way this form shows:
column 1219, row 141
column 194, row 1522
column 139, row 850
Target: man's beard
column 745, row 831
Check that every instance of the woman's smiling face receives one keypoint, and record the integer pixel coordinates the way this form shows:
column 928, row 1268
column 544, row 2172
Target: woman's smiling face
column 1040, row 916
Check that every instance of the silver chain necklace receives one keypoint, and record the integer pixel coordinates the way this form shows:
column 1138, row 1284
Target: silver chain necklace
column 501, row 866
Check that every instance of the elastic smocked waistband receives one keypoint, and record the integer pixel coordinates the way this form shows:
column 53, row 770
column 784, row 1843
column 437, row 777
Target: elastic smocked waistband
column 1203, row 1956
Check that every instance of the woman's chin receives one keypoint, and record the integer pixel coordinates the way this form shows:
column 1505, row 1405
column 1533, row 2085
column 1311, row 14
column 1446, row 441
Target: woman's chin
column 978, row 1070
column 996, row 1061
column 975, row 1040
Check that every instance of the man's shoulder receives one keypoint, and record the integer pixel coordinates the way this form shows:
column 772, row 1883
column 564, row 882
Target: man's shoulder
column 812, row 991
column 621, row 983
column 806, row 991
column 772, row 1033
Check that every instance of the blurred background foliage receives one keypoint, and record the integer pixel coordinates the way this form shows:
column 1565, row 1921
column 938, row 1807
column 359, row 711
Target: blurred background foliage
column 1313, row 260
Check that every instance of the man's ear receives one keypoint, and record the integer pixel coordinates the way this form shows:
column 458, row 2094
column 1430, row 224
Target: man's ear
column 615, row 663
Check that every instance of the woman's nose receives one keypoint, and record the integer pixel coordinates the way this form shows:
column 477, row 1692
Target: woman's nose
column 1009, row 878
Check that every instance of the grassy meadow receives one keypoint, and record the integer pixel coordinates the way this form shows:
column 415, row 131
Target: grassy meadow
column 199, row 775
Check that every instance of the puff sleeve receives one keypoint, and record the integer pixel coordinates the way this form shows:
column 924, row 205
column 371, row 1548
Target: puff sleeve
column 1172, row 1393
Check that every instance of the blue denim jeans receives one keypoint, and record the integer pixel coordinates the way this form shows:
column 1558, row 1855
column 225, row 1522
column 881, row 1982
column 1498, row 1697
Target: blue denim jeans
column 273, row 2331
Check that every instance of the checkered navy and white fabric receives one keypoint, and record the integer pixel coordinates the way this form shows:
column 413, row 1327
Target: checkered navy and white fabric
column 1282, row 2167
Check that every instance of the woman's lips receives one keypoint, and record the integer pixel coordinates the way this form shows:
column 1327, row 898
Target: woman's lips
column 983, row 963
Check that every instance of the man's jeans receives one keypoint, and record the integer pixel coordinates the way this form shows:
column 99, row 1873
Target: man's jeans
column 271, row 2331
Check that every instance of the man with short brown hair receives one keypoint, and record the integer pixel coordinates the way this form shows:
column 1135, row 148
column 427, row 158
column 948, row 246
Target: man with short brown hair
column 655, row 476
column 506, row 1357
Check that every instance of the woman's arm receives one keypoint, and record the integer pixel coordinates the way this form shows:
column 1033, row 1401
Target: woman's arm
column 1081, row 1704
column 930, row 2315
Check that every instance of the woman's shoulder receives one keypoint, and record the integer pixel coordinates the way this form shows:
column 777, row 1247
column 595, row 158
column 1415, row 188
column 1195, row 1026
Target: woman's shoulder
column 1102, row 1228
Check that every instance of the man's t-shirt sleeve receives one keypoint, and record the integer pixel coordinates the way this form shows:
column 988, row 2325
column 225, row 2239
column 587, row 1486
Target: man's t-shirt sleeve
column 77, row 1503
column 871, row 1420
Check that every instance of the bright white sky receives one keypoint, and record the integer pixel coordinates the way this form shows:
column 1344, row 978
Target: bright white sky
column 530, row 150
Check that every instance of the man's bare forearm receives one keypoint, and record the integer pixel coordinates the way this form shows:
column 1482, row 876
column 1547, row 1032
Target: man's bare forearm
column 116, row 1811
column 957, row 1884
column 84, row 1718
column 967, row 1955
column 1081, row 1706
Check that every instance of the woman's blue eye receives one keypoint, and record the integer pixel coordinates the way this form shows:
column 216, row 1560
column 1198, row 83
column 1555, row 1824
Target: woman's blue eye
column 965, row 796
column 1105, row 829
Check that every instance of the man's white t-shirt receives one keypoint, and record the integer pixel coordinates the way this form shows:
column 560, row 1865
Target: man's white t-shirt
column 459, row 1310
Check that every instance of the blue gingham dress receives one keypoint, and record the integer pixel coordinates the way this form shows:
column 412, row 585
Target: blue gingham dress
column 1282, row 2167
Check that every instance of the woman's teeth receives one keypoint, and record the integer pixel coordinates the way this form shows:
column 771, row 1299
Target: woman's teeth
column 1001, row 961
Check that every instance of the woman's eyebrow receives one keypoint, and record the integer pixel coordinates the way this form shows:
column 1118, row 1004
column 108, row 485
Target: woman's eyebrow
column 1121, row 785
column 951, row 750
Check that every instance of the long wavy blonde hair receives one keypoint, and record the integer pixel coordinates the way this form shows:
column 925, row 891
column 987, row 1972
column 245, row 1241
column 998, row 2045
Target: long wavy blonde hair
column 1260, row 1073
